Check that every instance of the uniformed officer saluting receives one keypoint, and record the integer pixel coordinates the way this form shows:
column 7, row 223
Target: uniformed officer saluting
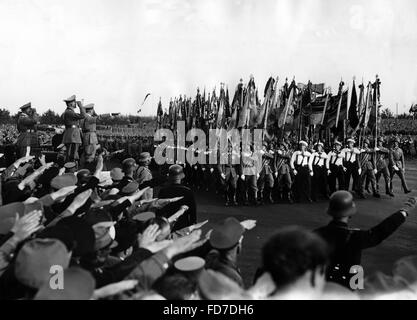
column 346, row 244
column 89, row 137
column 72, row 133
column 26, row 125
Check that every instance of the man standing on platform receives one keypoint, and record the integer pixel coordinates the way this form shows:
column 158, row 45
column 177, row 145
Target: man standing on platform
column 72, row 133
column 89, row 137
column 26, row 125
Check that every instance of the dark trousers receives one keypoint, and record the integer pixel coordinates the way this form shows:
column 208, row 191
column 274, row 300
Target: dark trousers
column 367, row 174
column 72, row 152
column 302, row 183
column 319, row 183
column 336, row 173
column 400, row 174
column 268, row 179
column 352, row 170
column 385, row 173
column 229, row 186
column 251, row 188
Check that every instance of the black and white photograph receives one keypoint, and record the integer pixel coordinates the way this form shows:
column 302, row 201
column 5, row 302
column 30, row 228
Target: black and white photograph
column 227, row 150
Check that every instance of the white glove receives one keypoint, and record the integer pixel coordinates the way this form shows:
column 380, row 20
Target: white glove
column 295, row 172
column 344, row 169
column 276, row 174
column 257, row 176
column 375, row 171
column 328, row 172
column 242, row 177
column 204, row 169
column 396, row 168
column 360, row 171
column 311, row 173
column 211, row 170
column 195, row 167
column 223, row 176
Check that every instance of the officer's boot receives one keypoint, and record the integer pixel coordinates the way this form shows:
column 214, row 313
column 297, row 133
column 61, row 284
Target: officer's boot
column 260, row 196
column 234, row 202
column 289, row 197
column 227, row 202
column 270, row 199
column 388, row 191
column 375, row 191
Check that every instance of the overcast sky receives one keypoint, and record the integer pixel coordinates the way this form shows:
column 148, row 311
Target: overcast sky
column 113, row 52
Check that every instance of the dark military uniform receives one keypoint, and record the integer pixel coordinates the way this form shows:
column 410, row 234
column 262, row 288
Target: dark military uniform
column 397, row 166
column 228, row 176
column 282, row 169
column 172, row 190
column 347, row 243
column 367, row 165
column 89, row 137
column 28, row 137
column 72, row 133
column 382, row 157
column 266, row 176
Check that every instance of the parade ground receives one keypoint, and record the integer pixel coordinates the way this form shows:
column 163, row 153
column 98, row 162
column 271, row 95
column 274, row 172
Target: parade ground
column 272, row 217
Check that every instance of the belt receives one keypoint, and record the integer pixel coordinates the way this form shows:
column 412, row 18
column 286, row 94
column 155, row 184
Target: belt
column 30, row 131
column 73, row 126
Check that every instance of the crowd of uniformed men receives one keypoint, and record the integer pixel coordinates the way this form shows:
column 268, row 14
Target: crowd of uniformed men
column 290, row 171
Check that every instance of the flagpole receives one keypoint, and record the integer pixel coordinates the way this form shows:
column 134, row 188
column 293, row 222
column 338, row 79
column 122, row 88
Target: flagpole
column 325, row 106
column 299, row 120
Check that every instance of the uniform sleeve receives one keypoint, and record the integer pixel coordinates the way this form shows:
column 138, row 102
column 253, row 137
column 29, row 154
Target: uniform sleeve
column 294, row 155
column 27, row 121
column 377, row 234
column 310, row 161
column 72, row 115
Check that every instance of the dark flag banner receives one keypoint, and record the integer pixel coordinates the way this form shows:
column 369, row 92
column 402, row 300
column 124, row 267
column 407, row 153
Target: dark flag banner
column 331, row 112
column 353, row 112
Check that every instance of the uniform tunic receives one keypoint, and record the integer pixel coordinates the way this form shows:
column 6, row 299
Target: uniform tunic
column 28, row 137
column 89, row 136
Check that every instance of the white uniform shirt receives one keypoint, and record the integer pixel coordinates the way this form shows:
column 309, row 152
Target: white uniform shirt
column 351, row 154
column 335, row 158
column 319, row 159
column 300, row 158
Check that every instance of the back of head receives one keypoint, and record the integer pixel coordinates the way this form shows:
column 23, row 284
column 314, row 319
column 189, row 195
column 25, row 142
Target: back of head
column 291, row 253
column 175, row 287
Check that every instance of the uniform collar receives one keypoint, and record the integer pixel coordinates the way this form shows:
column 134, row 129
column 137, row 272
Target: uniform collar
column 338, row 223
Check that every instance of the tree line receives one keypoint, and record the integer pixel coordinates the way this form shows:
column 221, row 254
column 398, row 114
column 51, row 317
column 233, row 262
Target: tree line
column 50, row 117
